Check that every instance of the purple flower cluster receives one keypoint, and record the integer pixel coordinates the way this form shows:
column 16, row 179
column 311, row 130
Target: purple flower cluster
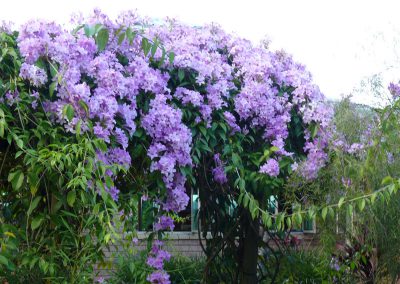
column 394, row 90
column 355, row 148
column 159, row 277
column 170, row 148
column 219, row 172
column 164, row 223
column 346, row 182
column 271, row 168
column 156, row 261
column 12, row 98
column 34, row 74
column 231, row 120
column 114, row 156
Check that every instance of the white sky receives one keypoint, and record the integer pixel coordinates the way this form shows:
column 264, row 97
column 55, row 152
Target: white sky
column 335, row 39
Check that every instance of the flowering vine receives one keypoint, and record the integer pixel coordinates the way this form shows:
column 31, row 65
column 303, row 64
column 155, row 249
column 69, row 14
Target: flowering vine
column 111, row 80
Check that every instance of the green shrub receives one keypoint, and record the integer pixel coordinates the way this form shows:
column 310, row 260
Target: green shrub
column 309, row 266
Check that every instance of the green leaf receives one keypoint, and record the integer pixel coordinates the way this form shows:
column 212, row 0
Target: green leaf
column 298, row 219
column 273, row 149
column 36, row 222
column 77, row 29
column 89, row 30
column 98, row 27
column 235, row 159
column 350, row 210
column 240, row 199
column 130, row 35
column 246, row 201
column 18, row 141
column 19, row 153
column 340, row 203
column 53, row 70
column 34, row 204
column 102, row 39
column 242, row 184
column 69, row 111
column 331, row 212
column 267, row 220
column 145, row 46
column 84, row 106
column 203, row 130
column 107, row 238
column 71, row 196
column 121, row 38
column 289, row 222
column 16, row 178
column 171, row 57
column 109, row 181
column 181, row 75
column 52, row 87
column 2, row 123
column 314, row 130
column 387, row 180
column 154, row 47
column 161, row 62
column 373, row 197
column 361, row 204
column 324, row 213
column 96, row 209
column 78, row 127
column 3, row 260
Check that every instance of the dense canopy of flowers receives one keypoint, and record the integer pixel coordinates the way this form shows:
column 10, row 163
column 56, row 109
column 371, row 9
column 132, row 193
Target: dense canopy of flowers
column 92, row 89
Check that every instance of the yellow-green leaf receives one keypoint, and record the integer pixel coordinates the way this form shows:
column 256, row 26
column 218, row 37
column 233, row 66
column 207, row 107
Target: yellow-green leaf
column 36, row 222
column 34, row 204
column 324, row 213
column 71, row 196
column 340, row 203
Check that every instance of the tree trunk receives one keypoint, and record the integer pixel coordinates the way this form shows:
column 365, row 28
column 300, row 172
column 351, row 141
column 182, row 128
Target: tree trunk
column 250, row 252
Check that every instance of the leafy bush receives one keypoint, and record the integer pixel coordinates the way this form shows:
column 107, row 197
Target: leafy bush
column 309, row 266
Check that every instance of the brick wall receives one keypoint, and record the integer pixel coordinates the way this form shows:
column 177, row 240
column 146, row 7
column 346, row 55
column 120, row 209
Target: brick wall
column 183, row 243
column 176, row 243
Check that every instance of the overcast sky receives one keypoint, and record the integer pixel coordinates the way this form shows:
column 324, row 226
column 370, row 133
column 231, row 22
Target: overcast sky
column 340, row 41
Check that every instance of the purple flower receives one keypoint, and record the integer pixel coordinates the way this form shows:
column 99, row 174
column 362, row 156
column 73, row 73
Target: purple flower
column 231, row 120
column 157, row 256
column 355, row 148
column 390, row 157
column 334, row 264
column 271, row 168
column 164, row 222
column 394, row 89
column 219, row 172
column 113, row 191
column 159, row 277
column 35, row 96
column 34, row 74
column 188, row 96
column 121, row 138
column 346, row 182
